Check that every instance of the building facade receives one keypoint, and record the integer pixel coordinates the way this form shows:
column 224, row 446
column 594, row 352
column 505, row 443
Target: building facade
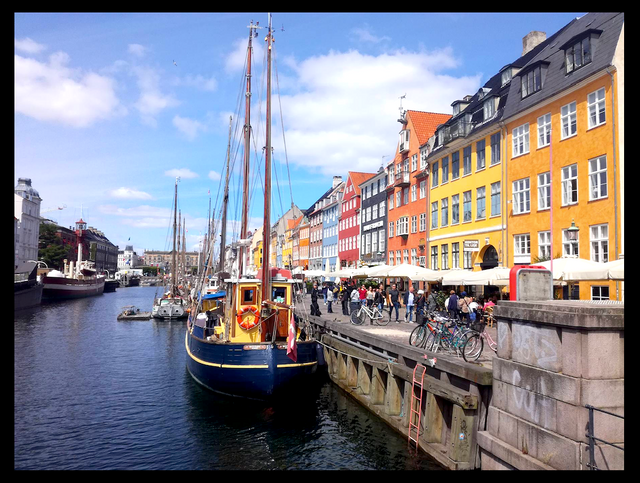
column 349, row 222
column 27, row 211
column 373, row 215
column 330, row 221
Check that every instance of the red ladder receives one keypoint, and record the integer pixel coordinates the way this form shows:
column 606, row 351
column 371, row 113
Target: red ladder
column 417, row 383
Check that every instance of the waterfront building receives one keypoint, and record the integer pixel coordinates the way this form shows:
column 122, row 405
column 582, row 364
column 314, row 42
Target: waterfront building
column 406, row 189
column 27, row 212
column 256, row 251
column 564, row 130
column 162, row 259
column 350, row 218
column 301, row 243
column 373, row 214
column 314, row 213
column 127, row 258
column 330, row 220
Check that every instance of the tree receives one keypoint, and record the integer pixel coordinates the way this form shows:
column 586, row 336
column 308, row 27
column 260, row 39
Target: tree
column 51, row 249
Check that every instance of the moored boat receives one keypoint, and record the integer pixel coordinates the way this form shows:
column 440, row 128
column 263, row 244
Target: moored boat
column 244, row 340
column 27, row 289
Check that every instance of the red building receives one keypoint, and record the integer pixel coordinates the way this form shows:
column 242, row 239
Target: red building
column 349, row 226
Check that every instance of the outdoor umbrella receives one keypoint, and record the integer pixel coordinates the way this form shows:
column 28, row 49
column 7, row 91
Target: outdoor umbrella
column 379, row 271
column 574, row 269
column 615, row 269
column 491, row 276
column 455, row 276
column 414, row 272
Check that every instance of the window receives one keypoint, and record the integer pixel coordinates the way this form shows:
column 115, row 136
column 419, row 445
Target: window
column 596, row 108
column 544, row 244
column 367, row 243
column 598, row 178
column 570, row 185
column 434, row 258
column 414, row 256
column 402, row 227
column 381, row 211
column 405, row 193
column 445, row 169
column 480, row 203
column 434, row 214
column 570, row 248
column 495, row 148
column 391, row 202
column 480, row 160
column 455, row 165
column 398, row 199
column 531, row 81
column 466, row 206
column 495, row 199
column 521, row 247
column 414, row 162
column 444, row 257
column 466, row 160
column 381, row 240
column 414, row 224
column 374, row 212
column 578, row 54
column 405, row 256
column 422, row 261
column 568, row 120
column 544, row 191
column 521, row 196
column 398, row 257
column 599, row 292
column 423, row 158
column 434, row 174
column 506, row 76
column 423, row 189
column 520, row 137
column 444, row 212
column 391, row 229
column 414, row 192
column 599, row 243
column 455, row 209
column 466, row 259
column 404, row 141
column 455, row 255
column 374, row 242
column 489, row 108
column 544, row 130
column 423, row 221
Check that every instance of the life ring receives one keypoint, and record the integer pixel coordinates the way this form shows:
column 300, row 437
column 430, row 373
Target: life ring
column 248, row 323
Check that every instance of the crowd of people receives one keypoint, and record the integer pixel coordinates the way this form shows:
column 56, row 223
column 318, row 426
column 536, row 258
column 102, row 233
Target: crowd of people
column 351, row 296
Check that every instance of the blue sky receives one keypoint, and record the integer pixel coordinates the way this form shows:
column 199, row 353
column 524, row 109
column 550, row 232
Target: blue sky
column 110, row 108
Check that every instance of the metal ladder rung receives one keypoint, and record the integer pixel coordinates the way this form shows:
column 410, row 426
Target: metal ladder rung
column 416, row 384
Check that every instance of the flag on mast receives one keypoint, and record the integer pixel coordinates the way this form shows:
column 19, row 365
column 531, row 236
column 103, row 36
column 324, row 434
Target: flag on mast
column 292, row 348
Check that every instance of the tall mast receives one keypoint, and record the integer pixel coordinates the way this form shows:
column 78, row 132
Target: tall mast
column 266, row 225
column 173, row 253
column 247, row 145
column 223, row 228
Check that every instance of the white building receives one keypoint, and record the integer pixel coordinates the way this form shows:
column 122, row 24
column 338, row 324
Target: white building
column 127, row 258
column 27, row 211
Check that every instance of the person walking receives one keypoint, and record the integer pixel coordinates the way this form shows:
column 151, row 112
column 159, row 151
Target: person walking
column 315, row 293
column 370, row 297
column 344, row 298
column 378, row 300
column 355, row 300
column 432, row 303
column 420, row 306
column 463, row 305
column 394, row 302
column 452, row 305
column 329, row 300
column 409, row 299
column 363, row 295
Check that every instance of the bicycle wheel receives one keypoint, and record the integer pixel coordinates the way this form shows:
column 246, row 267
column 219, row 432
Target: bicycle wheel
column 379, row 318
column 418, row 336
column 472, row 348
column 357, row 317
column 430, row 341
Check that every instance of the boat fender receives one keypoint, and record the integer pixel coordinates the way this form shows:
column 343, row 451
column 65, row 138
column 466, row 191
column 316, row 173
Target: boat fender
column 248, row 323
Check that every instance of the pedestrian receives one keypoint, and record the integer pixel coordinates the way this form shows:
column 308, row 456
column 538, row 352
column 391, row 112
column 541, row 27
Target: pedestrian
column 315, row 293
column 370, row 297
column 363, row 294
column 394, row 302
column 463, row 305
column 344, row 298
column 329, row 300
column 432, row 303
column 355, row 300
column 452, row 305
column 420, row 306
column 378, row 300
column 409, row 299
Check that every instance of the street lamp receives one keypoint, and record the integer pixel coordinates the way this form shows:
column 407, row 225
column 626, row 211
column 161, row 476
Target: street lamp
column 572, row 232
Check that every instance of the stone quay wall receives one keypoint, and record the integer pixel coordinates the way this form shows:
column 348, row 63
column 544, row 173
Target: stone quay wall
column 554, row 358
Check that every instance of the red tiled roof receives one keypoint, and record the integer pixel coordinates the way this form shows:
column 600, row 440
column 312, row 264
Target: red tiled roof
column 357, row 178
column 425, row 123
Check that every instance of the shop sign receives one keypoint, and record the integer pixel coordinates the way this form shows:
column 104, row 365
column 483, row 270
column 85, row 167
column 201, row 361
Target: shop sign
column 471, row 245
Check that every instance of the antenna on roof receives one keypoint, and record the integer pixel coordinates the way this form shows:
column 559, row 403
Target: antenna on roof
column 402, row 119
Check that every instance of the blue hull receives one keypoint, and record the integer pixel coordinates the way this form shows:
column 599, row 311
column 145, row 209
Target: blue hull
column 239, row 369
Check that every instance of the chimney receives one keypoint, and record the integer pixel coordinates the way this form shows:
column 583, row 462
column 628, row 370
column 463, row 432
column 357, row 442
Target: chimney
column 532, row 39
column 336, row 181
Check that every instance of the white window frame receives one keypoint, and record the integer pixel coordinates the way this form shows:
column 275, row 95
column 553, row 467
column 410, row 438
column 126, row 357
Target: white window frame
column 444, row 212
column 481, row 203
column 522, row 248
column 596, row 108
column 423, row 222
column 599, row 242
column 544, row 130
column 598, row 188
column 544, row 244
column 520, row 140
column 570, row 185
column 434, row 215
column 544, row 191
column 570, row 248
column 423, row 189
column 568, row 120
column 521, row 196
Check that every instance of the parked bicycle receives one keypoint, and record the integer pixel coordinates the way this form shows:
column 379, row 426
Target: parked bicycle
column 359, row 316
column 474, row 344
column 419, row 334
column 451, row 336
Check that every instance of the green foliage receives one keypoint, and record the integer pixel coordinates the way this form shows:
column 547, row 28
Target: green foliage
column 51, row 249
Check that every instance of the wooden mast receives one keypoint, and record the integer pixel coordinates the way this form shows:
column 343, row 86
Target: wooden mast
column 223, row 228
column 266, row 224
column 174, row 267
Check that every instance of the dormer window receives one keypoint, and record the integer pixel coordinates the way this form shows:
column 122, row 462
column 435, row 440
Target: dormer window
column 578, row 51
column 456, row 108
column 489, row 108
column 506, row 76
column 533, row 79
column 404, row 141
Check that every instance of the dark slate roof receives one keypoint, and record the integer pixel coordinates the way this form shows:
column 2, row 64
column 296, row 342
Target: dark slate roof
column 557, row 80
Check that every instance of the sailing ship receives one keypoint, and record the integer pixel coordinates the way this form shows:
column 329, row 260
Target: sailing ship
column 77, row 280
column 172, row 304
column 245, row 340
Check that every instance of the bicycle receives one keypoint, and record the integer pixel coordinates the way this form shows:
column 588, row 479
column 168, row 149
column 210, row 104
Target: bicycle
column 451, row 335
column 474, row 344
column 420, row 333
column 374, row 314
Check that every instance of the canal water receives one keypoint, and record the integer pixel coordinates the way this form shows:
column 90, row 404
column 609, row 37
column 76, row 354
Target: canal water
column 95, row 393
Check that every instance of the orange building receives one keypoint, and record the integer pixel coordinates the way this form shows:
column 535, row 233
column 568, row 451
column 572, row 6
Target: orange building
column 407, row 190
column 563, row 145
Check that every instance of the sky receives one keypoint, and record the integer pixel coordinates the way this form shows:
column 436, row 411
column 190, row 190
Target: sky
column 110, row 108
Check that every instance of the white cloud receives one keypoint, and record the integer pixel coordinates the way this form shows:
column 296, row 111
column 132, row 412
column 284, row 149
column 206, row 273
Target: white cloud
column 53, row 92
column 29, row 46
column 343, row 113
column 214, row 175
column 188, row 127
column 363, row 34
column 183, row 173
column 137, row 50
column 129, row 193
column 152, row 100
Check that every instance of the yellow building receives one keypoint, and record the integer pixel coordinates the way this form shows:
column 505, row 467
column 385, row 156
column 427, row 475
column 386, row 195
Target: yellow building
column 564, row 163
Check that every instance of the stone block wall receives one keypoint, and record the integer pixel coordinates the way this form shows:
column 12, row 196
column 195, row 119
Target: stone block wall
column 555, row 357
